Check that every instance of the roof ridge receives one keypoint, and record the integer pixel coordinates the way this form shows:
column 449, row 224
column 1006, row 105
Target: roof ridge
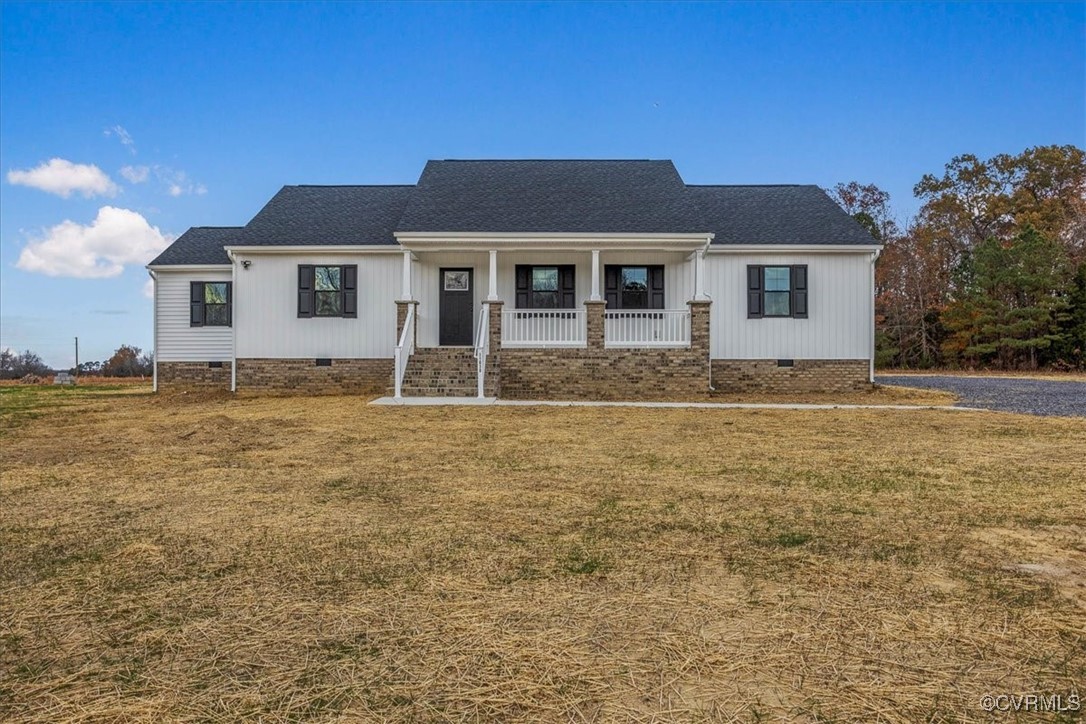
column 747, row 186
column 350, row 186
column 563, row 160
column 216, row 227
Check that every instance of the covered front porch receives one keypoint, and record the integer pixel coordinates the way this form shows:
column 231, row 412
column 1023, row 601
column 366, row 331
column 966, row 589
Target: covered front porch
column 518, row 310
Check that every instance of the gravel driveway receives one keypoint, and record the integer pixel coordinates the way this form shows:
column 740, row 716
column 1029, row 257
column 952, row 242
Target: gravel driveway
column 1005, row 394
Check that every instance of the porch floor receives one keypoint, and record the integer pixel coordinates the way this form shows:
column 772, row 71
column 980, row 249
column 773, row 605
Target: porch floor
column 436, row 401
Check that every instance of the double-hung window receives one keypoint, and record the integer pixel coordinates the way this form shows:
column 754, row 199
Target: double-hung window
column 545, row 286
column 327, row 290
column 633, row 287
column 210, row 304
column 777, row 291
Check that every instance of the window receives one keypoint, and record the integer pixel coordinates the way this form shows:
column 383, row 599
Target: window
column 327, row 291
column 634, row 287
column 209, row 304
column 458, row 281
column 546, row 287
column 777, row 291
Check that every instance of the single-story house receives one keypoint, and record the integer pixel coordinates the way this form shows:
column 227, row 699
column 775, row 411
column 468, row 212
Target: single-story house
column 523, row 279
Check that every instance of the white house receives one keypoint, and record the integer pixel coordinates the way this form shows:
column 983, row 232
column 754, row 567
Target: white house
column 524, row 279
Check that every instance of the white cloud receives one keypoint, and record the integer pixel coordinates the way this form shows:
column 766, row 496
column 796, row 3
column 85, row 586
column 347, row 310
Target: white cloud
column 136, row 174
column 61, row 177
column 100, row 249
column 178, row 182
column 149, row 289
column 123, row 136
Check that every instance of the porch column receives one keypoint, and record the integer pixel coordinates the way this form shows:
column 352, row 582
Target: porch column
column 492, row 294
column 595, row 276
column 699, row 275
column 406, row 289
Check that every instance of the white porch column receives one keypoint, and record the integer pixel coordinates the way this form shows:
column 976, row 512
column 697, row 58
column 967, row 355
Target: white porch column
column 406, row 291
column 492, row 293
column 699, row 275
column 595, row 276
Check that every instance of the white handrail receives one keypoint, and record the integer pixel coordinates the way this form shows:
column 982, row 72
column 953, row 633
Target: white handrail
column 646, row 328
column 482, row 348
column 405, row 348
column 544, row 328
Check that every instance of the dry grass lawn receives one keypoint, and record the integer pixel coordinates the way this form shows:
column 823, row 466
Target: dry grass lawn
column 318, row 559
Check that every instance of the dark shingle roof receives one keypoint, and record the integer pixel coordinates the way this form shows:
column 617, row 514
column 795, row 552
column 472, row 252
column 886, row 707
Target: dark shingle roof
column 549, row 196
column 328, row 215
column 774, row 215
column 199, row 245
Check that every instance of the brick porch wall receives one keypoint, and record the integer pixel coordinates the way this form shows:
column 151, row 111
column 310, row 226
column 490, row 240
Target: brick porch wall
column 190, row 375
column 807, row 375
column 357, row 376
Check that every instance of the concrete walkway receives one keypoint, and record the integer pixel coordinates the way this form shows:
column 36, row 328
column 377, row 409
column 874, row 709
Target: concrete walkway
column 477, row 401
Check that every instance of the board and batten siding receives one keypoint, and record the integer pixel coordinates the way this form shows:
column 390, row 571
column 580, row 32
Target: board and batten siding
column 426, row 278
column 266, row 308
column 839, row 323
column 177, row 340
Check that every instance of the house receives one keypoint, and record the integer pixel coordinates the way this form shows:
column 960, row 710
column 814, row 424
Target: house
column 523, row 279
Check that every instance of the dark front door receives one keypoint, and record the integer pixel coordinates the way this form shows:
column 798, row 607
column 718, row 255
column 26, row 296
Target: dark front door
column 456, row 307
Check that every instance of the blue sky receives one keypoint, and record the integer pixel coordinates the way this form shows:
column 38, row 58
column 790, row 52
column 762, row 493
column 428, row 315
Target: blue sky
column 169, row 116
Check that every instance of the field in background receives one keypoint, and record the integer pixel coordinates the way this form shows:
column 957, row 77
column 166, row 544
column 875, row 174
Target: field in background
column 284, row 559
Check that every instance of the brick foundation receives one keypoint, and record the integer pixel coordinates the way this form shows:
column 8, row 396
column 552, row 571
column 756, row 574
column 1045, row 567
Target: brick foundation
column 191, row 375
column 356, row 376
column 806, row 375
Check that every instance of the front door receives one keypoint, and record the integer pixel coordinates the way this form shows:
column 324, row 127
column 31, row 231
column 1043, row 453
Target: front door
column 456, row 308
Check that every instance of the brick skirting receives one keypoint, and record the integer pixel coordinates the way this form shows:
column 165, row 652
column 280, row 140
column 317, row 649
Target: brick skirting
column 189, row 375
column 806, row 375
column 358, row 376
column 603, row 374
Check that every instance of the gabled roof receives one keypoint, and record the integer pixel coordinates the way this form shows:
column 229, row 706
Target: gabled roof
column 635, row 197
column 328, row 215
column 199, row 245
column 549, row 196
column 775, row 215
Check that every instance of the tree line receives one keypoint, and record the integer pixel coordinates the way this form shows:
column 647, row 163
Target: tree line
column 127, row 361
column 991, row 272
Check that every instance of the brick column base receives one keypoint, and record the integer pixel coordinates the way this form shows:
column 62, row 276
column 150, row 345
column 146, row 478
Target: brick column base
column 594, row 323
column 401, row 317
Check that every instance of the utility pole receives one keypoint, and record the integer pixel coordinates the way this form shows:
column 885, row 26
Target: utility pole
column 76, row 376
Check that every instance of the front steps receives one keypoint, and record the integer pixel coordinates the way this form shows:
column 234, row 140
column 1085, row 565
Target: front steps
column 441, row 372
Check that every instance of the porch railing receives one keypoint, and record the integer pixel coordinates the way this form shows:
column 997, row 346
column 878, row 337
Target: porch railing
column 543, row 328
column 405, row 349
column 482, row 347
column 646, row 328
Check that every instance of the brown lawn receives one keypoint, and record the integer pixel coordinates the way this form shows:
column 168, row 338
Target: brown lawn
column 318, row 559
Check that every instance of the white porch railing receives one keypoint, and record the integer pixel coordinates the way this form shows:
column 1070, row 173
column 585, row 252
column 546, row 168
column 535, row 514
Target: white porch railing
column 405, row 348
column 646, row 328
column 543, row 328
column 482, row 347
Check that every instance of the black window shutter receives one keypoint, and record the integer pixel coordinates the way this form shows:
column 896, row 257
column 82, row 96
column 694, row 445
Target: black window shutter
column 306, row 282
column 567, row 287
column 799, row 291
column 196, row 304
column 755, row 292
column 229, row 304
column 350, row 290
column 524, row 286
column 610, row 286
column 656, row 287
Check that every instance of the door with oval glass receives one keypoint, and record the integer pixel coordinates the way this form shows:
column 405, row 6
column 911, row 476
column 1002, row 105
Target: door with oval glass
column 455, row 309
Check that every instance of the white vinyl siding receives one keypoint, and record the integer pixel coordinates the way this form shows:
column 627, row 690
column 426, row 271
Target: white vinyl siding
column 178, row 341
column 839, row 319
column 266, row 308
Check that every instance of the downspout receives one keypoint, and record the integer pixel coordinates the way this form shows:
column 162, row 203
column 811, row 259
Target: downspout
column 154, row 329
column 705, row 276
column 871, row 360
column 233, row 321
